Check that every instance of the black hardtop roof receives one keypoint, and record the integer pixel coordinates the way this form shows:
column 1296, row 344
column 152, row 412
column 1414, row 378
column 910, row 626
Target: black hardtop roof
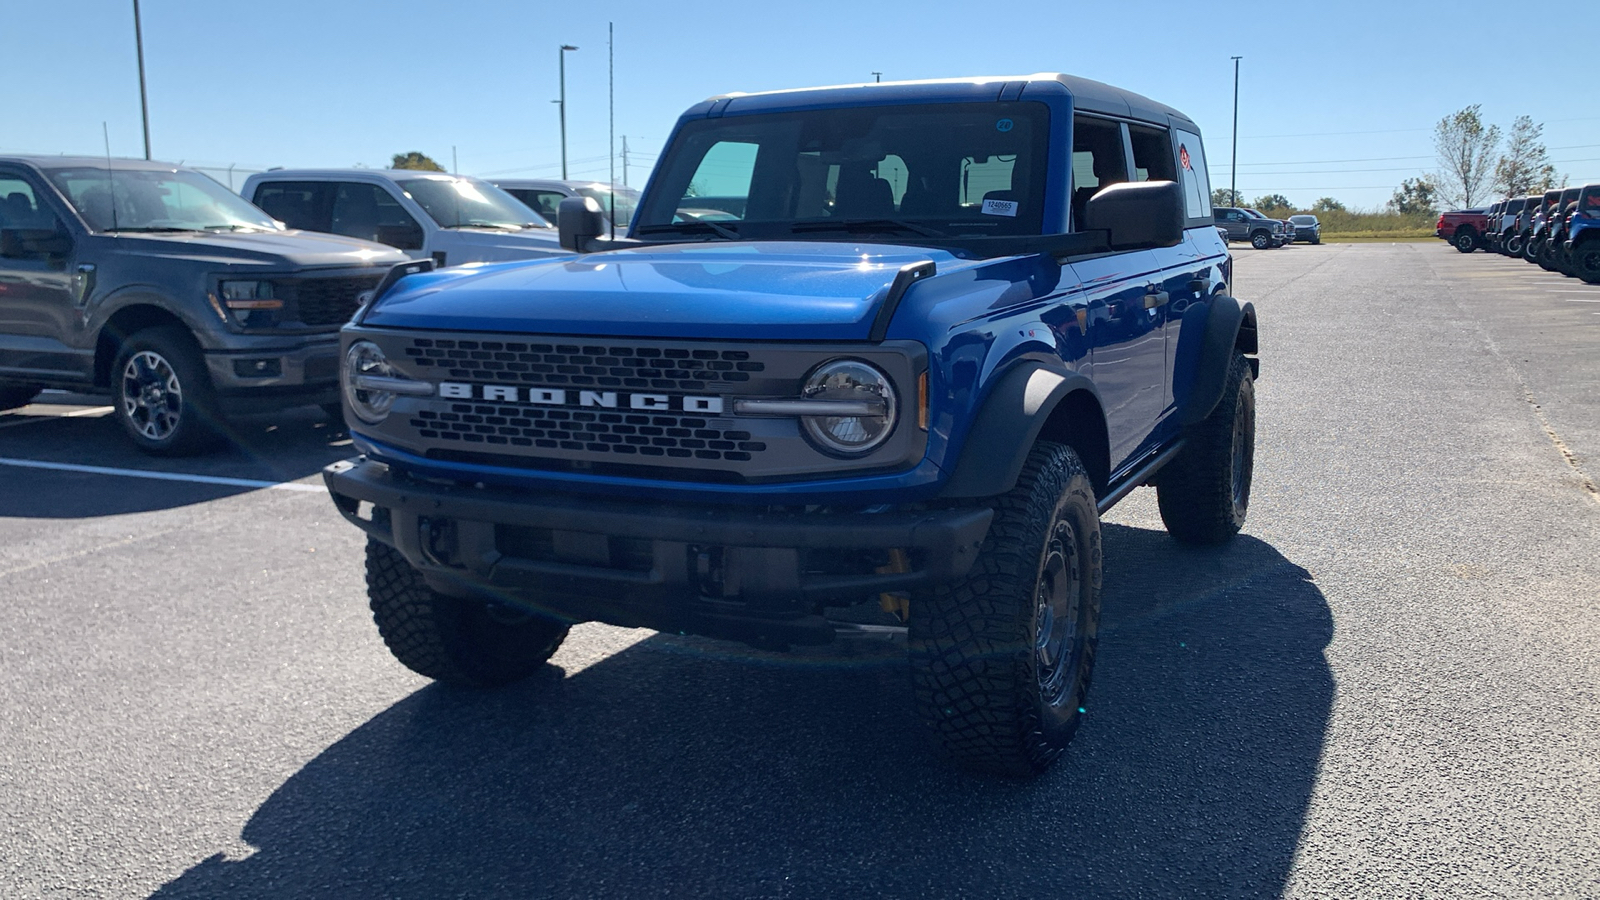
column 1088, row 95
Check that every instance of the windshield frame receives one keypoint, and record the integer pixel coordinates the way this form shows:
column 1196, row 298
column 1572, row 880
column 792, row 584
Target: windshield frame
column 76, row 181
column 523, row 216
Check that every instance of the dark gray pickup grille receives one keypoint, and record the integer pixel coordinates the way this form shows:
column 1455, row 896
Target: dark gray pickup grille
column 590, row 431
column 330, row 301
column 584, row 365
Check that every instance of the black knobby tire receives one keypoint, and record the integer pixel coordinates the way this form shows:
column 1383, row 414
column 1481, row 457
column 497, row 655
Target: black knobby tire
column 1204, row 493
column 13, row 396
column 1512, row 245
column 1466, row 240
column 161, row 394
column 1586, row 261
column 334, row 411
column 1530, row 248
column 460, row 642
column 1261, row 240
column 1001, row 658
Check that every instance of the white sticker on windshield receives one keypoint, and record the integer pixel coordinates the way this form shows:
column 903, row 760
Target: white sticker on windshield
column 1000, row 208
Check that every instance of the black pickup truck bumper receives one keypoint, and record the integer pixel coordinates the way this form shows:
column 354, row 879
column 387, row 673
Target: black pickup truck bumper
column 724, row 571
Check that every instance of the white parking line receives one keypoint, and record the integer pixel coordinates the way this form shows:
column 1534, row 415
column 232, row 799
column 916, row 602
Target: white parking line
column 33, row 420
column 1576, row 300
column 164, row 476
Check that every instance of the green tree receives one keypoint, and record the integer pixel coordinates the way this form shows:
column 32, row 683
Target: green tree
column 1273, row 204
column 1327, row 205
column 1525, row 166
column 1467, row 150
column 1224, row 197
column 415, row 160
column 1416, row 197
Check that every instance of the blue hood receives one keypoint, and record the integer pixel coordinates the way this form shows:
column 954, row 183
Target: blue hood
column 816, row 291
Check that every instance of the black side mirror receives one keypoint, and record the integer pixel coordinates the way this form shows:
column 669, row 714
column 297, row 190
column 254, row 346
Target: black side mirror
column 34, row 243
column 1137, row 215
column 580, row 220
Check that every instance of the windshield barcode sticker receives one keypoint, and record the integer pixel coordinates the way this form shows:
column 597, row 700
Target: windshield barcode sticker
column 1000, row 208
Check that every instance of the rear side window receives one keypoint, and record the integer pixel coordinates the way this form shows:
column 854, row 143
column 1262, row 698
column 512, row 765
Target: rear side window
column 1097, row 160
column 1192, row 174
column 371, row 213
column 1152, row 154
column 21, row 208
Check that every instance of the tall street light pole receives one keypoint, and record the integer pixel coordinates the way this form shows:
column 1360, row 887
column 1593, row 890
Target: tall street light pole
column 1233, row 178
column 563, row 104
column 144, row 105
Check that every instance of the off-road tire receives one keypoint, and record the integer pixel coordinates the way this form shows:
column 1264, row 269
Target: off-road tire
column 1512, row 245
column 13, row 396
column 334, row 411
column 1530, row 249
column 1261, row 240
column 1204, row 493
column 1547, row 256
column 994, row 699
column 1466, row 240
column 460, row 642
column 1586, row 261
column 193, row 428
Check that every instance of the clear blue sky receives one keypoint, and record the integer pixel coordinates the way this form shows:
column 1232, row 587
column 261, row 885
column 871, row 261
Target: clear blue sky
column 341, row 82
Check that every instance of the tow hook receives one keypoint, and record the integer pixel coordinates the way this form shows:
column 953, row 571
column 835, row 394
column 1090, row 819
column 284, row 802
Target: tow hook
column 438, row 541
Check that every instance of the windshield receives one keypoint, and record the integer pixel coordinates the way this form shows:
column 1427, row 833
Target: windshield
column 626, row 200
column 156, row 201
column 468, row 202
column 945, row 170
column 1303, row 220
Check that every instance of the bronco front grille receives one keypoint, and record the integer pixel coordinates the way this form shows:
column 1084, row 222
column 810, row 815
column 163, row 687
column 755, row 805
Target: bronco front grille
column 330, row 301
column 591, row 431
column 580, row 365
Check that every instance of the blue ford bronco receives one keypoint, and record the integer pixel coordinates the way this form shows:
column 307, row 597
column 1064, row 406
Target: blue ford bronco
column 872, row 357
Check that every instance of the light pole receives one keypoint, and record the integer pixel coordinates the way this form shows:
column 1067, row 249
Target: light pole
column 877, row 77
column 1233, row 177
column 563, row 104
column 144, row 105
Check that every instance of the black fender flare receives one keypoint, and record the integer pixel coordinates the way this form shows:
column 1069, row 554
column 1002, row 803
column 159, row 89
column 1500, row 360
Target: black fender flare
column 1230, row 325
column 1005, row 429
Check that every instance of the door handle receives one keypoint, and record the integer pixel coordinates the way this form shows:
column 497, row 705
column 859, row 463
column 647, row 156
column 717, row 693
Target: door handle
column 82, row 283
column 1155, row 299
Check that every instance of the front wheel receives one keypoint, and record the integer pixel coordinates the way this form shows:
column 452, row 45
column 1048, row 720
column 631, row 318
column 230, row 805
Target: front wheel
column 1586, row 261
column 1204, row 493
column 1466, row 240
column 462, row 642
column 1512, row 246
column 1261, row 240
column 162, row 395
column 1001, row 658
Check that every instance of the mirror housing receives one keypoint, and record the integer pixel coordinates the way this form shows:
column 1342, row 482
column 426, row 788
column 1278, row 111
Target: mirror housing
column 1138, row 215
column 580, row 220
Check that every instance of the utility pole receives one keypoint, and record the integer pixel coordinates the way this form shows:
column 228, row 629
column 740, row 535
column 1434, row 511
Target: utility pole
column 144, row 104
column 563, row 104
column 1233, row 178
column 624, row 160
column 454, row 170
column 877, row 77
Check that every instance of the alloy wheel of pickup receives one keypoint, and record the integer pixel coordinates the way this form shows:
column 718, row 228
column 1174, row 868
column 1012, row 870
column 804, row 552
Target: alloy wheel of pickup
column 161, row 394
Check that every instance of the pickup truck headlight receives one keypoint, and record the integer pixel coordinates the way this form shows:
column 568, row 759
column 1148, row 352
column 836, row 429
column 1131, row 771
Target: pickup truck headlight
column 252, row 304
column 868, row 397
column 362, row 362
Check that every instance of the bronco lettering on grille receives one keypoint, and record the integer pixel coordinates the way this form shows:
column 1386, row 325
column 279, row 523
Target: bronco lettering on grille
column 457, row 390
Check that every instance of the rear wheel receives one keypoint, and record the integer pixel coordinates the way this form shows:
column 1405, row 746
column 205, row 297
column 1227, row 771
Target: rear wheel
column 1204, row 493
column 1001, row 658
column 162, row 395
column 14, row 395
column 462, row 642
column 1466, row 240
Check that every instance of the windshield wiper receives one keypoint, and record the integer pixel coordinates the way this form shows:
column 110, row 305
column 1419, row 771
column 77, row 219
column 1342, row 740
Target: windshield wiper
column 866, row 226
column 232, row 226
column 690, row 224
column 503, row 226
column 150, row 229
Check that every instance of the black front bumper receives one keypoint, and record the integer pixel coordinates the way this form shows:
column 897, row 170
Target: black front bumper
column 747, row 574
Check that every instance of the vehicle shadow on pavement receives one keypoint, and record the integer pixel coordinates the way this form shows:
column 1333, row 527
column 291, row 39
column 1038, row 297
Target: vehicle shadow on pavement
column 681, row 767
column 282, row 447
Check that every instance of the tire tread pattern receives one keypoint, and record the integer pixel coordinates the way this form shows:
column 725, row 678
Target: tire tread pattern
column 1195, row 491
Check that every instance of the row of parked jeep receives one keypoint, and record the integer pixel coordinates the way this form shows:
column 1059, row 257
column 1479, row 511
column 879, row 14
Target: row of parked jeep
column 1559, row 230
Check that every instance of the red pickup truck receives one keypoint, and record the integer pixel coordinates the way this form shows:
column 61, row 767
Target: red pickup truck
column 1463, row 228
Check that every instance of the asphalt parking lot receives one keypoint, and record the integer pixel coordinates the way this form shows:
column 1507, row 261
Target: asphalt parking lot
column 1386, row 687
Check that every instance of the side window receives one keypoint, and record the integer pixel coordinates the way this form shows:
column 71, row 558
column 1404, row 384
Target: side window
column 547, row 203
column 1097, row 160
column 721, row 183
column 303, row 205
column 1152, row 154
column 22, row 209
column 369, row 212
column 1192, row 174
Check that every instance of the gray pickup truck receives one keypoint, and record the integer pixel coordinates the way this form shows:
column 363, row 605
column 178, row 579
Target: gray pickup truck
column 157, row 285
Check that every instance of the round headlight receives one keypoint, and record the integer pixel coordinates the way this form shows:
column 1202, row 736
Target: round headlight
column 856, row 382
column 365, row 358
